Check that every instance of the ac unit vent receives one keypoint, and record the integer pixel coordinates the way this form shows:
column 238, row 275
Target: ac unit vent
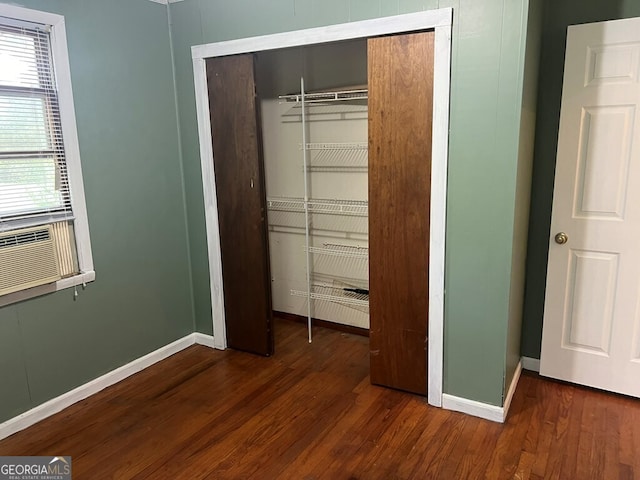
column 64, row 239
column 28, row 258
column 16, row 239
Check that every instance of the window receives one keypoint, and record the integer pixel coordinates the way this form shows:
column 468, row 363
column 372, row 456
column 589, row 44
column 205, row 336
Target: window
column 33, row 175
column 41, row 192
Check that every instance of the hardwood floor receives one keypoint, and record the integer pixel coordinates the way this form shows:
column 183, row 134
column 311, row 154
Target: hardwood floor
column 309, row 412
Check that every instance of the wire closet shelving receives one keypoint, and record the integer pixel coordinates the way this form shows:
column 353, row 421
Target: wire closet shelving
column 337, row 157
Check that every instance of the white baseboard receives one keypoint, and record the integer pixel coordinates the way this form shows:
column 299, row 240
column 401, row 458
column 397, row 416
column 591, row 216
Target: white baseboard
column 203, row 339
column 483, row 410
column 532, row 364
column 471, row 407
column 65, row 400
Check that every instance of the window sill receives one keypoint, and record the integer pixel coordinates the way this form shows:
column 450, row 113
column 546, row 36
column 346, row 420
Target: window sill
column 80, row 279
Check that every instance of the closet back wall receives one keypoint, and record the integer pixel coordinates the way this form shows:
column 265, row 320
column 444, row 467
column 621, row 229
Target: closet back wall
column 337, row 65
column 485, row 121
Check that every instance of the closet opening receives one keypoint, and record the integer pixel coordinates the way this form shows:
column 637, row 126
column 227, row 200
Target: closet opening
column 313, row 109
column 324, row 172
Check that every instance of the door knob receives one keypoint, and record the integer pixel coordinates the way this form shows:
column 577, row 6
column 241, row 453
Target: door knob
column 561, row 238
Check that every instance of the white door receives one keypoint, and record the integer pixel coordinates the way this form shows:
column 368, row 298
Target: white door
column 591, row 331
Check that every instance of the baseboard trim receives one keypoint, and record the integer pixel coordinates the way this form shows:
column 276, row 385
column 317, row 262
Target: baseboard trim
column 512, row 390
column 484, row 410
column 203, row 339
column 471, row 407
column 65, row 400
column 531, row 364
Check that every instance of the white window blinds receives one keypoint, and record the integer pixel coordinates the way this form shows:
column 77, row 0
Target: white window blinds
column 34, row 186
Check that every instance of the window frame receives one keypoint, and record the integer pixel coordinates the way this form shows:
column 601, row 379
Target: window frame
column 62, row 72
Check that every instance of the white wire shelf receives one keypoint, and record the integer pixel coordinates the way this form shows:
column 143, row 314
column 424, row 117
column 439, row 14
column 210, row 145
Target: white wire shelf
column 341, row 157
column 324, row 97
column 344, row 251
column 354, row 208
column 286, row 204
column 333, row 294
column 338, row 146
column 334, row 160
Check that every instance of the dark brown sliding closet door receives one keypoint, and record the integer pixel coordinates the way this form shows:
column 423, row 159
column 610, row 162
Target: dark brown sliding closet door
column 400, row 119
column 239, row 174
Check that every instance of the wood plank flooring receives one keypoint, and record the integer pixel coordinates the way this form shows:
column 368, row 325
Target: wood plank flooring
column 310, row 412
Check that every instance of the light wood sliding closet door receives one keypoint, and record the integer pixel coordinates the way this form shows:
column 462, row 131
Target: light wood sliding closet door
column 400, row 117
column 239, row 174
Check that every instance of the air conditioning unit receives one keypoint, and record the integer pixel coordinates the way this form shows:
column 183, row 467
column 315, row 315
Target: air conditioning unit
column 28, row 258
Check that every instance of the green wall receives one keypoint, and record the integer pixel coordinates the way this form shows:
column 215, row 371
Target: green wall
column 487, row 76
column 141, row 300
column 558, row 15
column 531, row 47
column 152, row 272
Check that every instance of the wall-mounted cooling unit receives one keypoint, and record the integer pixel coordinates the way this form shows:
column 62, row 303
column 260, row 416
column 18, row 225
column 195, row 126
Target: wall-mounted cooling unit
column 28, row 258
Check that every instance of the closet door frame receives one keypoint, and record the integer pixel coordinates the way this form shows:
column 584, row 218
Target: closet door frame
column 440, row 21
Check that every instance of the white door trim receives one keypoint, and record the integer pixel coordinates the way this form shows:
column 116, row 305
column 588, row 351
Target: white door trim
column 441, row 21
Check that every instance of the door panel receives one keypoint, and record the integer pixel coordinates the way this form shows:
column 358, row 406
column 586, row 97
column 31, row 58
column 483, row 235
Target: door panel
column 400, row 118
column 591, row 328
column 238, row 166
column 588, row 321
column 604, row 161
